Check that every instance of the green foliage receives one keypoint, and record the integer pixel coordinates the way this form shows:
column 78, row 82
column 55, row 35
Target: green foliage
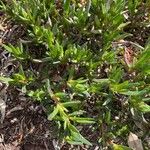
column 81, row 64
column 143, row 63
column 132, row 5
column 17, row 52
column 120, row 147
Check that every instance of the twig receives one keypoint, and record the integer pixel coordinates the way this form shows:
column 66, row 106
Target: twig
column 124, row 43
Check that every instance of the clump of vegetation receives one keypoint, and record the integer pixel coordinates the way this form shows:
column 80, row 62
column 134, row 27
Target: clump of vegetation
column 88, row 71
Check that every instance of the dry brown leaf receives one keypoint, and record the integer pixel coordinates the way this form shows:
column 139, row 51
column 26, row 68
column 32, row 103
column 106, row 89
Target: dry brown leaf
column 134, row 142
column 128, row 56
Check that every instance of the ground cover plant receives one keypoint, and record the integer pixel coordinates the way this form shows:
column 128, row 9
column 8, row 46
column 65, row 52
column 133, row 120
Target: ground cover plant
column 84, row 63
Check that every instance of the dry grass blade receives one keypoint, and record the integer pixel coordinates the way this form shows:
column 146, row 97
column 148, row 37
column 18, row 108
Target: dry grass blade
column 2, row 109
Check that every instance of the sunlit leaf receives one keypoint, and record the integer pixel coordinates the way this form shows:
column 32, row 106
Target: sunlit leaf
column 120, row 147
column 53, row 114
column 6, row 80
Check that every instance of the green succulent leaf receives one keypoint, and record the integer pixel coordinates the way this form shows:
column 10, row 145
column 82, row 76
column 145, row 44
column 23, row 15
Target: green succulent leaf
column 120, row 147
column 6, row 80
column 83, row 120
column 53, row 114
